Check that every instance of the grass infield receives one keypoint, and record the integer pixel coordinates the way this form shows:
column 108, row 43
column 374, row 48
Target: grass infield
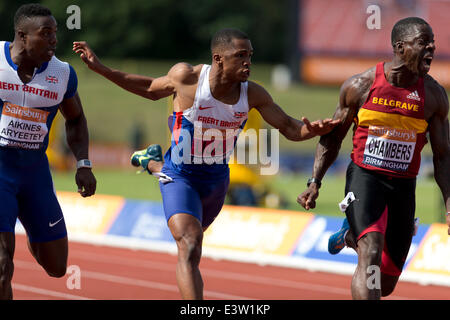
column 126, row 183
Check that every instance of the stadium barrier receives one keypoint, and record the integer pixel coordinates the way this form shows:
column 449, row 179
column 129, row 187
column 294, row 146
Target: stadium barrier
column 246, row 234
column 333, row 70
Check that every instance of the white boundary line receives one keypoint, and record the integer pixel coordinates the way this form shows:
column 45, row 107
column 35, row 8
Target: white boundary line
column 52, row 293
column 258, row 258
column 227, row 275
column 114, row 279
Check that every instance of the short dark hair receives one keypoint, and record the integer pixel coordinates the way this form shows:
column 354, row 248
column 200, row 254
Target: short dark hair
column 226, row 36
column 403, row 27
column 30, row 10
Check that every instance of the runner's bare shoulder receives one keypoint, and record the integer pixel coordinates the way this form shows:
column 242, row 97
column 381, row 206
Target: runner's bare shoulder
column 257, row 95
column 185, row 73
column 435, row 95
column 356, row 88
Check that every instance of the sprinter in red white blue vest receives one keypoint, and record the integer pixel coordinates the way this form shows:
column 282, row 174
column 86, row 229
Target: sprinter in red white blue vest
column 218, row 97
column 34, row 85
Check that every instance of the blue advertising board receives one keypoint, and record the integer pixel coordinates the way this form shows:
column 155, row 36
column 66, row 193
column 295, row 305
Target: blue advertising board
column 142, row 220
column 313, row 242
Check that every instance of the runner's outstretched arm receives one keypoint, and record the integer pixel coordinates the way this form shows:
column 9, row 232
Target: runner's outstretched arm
column 440, row 145
column 147, row 87
column 291, row 128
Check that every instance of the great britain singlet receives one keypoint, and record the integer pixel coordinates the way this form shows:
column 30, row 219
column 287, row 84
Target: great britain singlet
column 27, row 110
column 391, row 128
column 26, row 115
column 204, row 136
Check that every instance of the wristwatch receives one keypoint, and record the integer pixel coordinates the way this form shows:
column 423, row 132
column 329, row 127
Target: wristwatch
column 314, row 180
column 84, row 163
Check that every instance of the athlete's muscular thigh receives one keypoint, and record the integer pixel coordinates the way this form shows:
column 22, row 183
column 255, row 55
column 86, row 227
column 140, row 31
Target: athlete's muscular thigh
column 39, row 209
column 370, row 199
column 51, row 255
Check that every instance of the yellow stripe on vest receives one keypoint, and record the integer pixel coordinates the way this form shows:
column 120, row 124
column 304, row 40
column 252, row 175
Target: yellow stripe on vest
column 376, row 118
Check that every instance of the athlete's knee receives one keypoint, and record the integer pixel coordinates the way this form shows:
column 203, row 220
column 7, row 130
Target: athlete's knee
column 56, row 269
column 372, row 254
column 52, row 256
column 387, row 290
column 388, row 284
column 56, row 273
column 6, row 270
column 190, row 245
column 370, row 249
column 188, row 234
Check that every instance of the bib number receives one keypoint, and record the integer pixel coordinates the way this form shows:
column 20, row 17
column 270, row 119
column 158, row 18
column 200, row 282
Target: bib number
column 389, row 148
column 24, row 128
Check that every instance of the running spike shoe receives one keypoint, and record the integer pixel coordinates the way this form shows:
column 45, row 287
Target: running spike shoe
column 142, row 157
column 336, row 241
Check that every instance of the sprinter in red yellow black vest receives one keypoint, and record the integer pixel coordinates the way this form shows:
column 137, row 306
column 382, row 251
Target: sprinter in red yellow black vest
column 392, row 107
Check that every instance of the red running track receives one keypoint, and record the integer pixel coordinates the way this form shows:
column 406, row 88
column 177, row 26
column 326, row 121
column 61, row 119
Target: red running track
column 115, row 273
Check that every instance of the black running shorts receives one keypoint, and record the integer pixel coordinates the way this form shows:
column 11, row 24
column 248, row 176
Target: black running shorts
column 383, row 204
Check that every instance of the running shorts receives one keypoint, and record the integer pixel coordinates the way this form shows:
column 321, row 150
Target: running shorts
column 383, row 204
column 200, row 198
column 27, row 193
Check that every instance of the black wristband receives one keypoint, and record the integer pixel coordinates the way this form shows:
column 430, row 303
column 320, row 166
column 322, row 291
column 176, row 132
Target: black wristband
column 314, row 180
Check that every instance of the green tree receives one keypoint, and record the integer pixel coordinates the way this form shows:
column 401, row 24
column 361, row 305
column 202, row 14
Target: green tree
column 171, row 29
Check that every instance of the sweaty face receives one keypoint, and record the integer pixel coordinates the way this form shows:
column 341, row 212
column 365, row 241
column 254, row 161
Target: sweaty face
column 419, row 50
column 40, row 38
column 237, row 59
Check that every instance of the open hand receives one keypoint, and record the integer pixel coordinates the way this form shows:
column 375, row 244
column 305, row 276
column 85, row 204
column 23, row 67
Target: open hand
column 87, row 55
column 320, row 127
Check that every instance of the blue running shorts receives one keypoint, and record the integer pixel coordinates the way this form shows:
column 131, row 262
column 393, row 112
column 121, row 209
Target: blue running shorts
column 27, row 193
column 200, row 198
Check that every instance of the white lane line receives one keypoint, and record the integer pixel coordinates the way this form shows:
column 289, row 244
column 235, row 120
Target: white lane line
column 213, row 273
column 152, row 284
column 221, row 274
column 134, row 282
column 52, row 293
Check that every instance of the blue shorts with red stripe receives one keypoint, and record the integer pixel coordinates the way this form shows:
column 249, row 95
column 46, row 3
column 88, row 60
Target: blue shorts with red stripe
column 187, row 193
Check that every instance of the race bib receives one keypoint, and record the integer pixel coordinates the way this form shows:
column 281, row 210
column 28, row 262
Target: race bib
column 21, row 127
column 389, row 148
